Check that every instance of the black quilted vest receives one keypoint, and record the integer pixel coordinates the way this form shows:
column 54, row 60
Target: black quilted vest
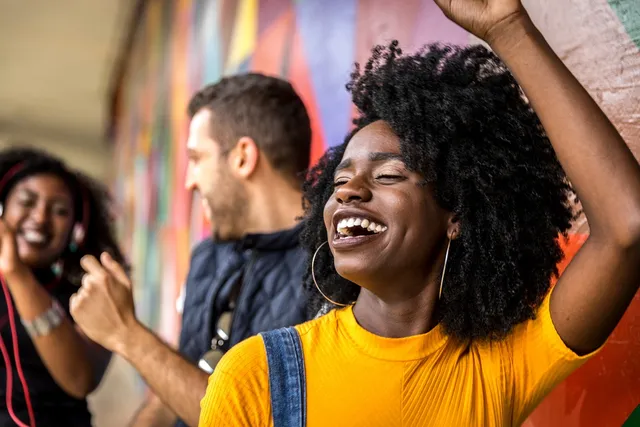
column 271, row 295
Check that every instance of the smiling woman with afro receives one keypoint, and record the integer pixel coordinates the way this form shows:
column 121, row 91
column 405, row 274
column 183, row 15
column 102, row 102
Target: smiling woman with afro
column 465, row 126
column 433, row 235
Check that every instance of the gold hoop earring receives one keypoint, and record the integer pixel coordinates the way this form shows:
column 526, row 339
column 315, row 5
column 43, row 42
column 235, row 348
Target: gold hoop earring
column 313, row 276
column 444, row 269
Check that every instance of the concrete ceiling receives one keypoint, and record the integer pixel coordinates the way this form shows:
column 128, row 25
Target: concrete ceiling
column 56, row 65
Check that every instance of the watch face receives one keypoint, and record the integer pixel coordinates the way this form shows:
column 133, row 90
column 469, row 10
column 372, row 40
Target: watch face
column 39, row 324
column 51, row 319
column 47, row 321
column 46, row 328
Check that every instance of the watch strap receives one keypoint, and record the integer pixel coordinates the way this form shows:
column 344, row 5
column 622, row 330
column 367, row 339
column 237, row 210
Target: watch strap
column 46, row 322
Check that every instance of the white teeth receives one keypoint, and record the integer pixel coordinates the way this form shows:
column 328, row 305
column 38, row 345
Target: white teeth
column 345, row 226
column 32, row 236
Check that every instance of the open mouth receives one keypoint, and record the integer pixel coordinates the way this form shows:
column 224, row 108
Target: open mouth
column 35, row 238
column 349, row 228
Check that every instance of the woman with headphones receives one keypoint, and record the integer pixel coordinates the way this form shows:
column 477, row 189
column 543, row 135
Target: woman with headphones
column 51, row 216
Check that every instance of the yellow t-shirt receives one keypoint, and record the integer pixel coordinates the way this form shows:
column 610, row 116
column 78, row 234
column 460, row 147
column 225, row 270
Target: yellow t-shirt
column 355, row 378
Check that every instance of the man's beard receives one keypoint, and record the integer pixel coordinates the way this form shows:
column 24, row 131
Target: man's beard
column 228, row 214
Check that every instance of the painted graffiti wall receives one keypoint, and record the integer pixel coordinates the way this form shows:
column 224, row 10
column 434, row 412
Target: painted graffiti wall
column 181, row 45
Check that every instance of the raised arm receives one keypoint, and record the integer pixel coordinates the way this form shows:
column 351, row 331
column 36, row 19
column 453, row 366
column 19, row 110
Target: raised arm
column 602, row 279
column 103, row 308
column 75, row 363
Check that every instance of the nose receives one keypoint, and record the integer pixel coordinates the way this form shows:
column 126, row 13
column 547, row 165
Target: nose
column 355, row 189
column 40, row 213
column 189, row 182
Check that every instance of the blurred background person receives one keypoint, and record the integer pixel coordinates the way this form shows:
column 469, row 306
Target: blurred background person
column 248, row 147
column 51, row 217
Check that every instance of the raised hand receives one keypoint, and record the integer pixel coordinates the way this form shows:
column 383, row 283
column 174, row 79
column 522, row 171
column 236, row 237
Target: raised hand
column 484, row 18
column 103, row 307
column 10, row 263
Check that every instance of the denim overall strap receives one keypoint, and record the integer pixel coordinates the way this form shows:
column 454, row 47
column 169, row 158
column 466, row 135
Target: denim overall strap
column 287, row 383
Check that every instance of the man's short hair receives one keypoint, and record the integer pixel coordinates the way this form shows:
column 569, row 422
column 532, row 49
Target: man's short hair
column 266, row 109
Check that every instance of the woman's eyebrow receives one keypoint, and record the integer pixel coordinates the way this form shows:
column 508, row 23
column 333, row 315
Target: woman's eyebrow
column 380, row 156
column 343, row 164
column 374, row 157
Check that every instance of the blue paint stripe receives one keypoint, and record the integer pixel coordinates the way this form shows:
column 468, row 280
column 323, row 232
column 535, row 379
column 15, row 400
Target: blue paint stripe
column 209, row 34
column 328, row 33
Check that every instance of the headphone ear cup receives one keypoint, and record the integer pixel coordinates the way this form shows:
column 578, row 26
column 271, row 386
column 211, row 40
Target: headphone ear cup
column 77, row 236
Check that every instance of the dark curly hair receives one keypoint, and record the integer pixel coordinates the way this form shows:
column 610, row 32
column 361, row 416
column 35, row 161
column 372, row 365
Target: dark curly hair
column 100, row 233
column 467, row 128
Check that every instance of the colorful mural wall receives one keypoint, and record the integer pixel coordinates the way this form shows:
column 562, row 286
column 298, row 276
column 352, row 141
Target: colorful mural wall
column 181, row 45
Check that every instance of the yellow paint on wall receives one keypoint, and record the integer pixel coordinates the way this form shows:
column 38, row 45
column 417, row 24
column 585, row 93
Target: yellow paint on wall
column 245, row 29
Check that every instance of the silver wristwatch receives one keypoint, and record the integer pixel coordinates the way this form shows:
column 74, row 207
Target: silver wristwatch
column 46, row 322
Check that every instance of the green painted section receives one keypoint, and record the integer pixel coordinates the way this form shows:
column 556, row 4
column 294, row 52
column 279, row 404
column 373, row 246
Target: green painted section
column 628, row 12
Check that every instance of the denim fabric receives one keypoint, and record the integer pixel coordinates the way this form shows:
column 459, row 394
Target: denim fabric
column 287, row 383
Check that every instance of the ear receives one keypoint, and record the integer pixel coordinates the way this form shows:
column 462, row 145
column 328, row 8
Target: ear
column 453, row 227
column 244, row 157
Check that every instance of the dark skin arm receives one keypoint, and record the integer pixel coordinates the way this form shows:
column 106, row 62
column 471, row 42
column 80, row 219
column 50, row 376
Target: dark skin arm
column 75, row 363
column 104, row 309
column 602, row 279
